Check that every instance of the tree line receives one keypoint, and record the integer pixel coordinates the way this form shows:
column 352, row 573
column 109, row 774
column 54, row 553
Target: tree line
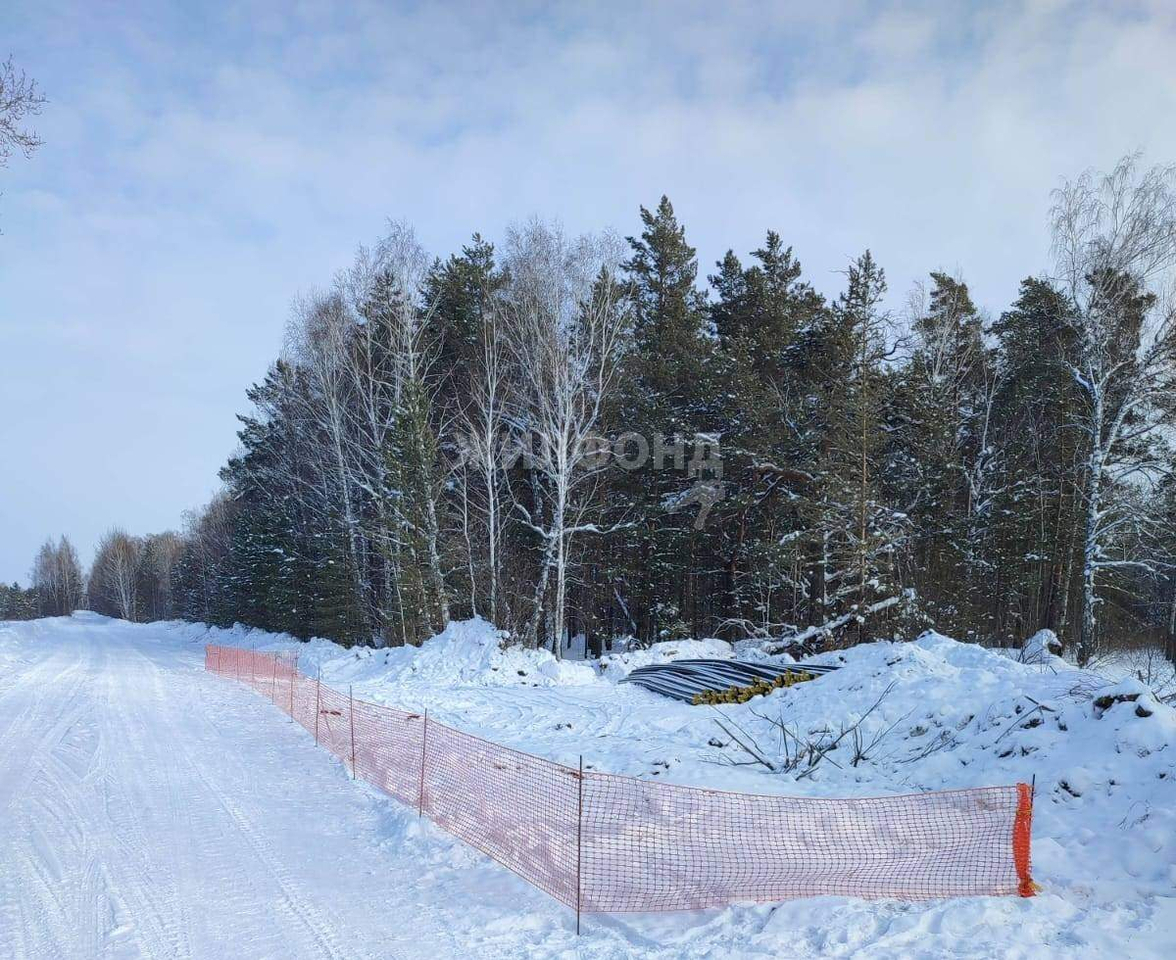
column 576, row 437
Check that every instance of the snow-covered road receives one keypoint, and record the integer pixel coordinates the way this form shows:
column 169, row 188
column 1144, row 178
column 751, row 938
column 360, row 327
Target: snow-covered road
column 152, row 810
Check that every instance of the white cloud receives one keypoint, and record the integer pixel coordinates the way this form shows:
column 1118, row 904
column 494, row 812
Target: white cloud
column 204, row 164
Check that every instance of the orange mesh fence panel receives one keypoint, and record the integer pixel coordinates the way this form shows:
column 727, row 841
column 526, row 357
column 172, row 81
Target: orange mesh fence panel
column 519, row 809
column 604, row 843
column 335, row 723
column 657, row 846
column 388, row 750
column 305, row 709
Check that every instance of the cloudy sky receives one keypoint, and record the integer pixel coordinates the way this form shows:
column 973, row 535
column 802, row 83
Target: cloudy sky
column 204, row 162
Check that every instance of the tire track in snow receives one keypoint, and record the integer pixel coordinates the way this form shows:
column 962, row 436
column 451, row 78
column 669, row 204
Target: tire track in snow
column 154, row 811
column 135, row 807
column 43, row 722
column 222, row 829
column 294, row 899
column 57, row 877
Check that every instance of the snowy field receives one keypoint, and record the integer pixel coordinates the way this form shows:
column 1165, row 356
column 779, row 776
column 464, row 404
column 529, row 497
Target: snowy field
column 153, row 810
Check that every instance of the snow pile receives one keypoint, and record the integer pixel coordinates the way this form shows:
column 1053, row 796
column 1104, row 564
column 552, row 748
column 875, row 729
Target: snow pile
column 9, row 639
column 615, row 666
column 465, row 653
column 468, row 652
column 1044, row 649
column 937, row 714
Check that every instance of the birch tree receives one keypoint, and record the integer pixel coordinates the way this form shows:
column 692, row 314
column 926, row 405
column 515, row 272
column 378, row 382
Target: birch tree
column 387, row 361
column 160, row 553
column 115, row 575
column 1115, row 246
column 415, row 481
column 563, row 330
column 321, row 343
column 57, row 579
column 484, row 427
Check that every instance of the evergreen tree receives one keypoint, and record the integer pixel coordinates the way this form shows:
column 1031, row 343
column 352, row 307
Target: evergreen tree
column 460, row 293
column 421, row 604
column 945, row 395
column 17, row 603
column 856, row 535
column 276, row 574
column 1030, row 550
column 465, row 345
column 666, row 396
column 762, row 315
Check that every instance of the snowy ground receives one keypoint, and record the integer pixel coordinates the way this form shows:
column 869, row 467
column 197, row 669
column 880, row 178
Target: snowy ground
column 150, row 809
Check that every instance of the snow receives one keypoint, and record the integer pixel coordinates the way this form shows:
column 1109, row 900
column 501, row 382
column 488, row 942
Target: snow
column 620, row 664
column 158, row 810
column 1043, row 648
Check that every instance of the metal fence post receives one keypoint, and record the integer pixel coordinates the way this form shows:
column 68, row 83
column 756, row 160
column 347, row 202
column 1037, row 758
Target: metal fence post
column 293, row 677
column 579, row 834
column 351, row 711
column 318, row 687
column 424, row 750
column 274, row 681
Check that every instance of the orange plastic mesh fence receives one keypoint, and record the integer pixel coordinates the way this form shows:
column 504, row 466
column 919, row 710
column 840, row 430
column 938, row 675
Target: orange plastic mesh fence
column 519, row 809
column 603, row 843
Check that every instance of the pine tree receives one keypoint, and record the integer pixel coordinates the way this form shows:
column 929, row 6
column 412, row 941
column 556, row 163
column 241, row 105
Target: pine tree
column 421, row 604
column 856, row 536
column 460, row 293
column 945, row 400
column 1030, row 550
column 17, row 603
column 666, row 396
column 466, row 346
column 761, row 316
column 276, row 568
